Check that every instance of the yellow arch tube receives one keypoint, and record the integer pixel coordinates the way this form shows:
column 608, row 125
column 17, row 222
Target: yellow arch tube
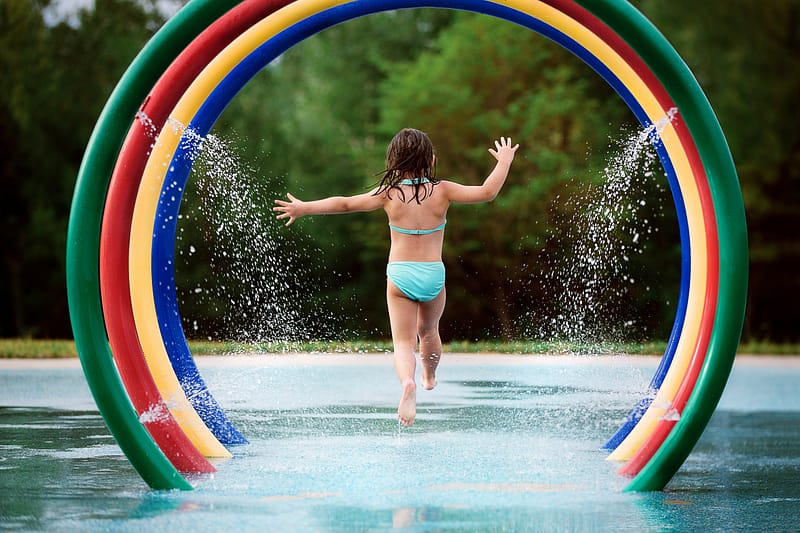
column 154, row 351
column 143, row 303
column 158, row 360
column 144, row 213
column 686, row 343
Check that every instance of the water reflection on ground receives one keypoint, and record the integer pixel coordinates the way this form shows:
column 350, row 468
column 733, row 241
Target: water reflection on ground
column 504, row 444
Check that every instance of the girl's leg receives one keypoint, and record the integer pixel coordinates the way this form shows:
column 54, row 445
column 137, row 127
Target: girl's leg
column 403, row 319
column 430, row 343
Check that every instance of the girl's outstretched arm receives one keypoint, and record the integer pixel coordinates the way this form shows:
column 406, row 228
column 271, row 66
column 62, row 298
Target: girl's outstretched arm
column 294, row 208
column 466, row 194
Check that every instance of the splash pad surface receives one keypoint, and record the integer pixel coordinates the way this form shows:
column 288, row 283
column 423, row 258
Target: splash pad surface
column 504, row 442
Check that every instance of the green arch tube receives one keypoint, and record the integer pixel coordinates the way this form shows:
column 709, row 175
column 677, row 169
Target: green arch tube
column 83, row 238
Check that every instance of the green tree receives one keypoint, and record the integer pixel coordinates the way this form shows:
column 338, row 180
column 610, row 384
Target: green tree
column 55, row 80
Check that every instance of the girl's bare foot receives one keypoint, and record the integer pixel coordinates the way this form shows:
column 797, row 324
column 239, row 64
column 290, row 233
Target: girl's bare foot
column 407, row 410
column 429, row 364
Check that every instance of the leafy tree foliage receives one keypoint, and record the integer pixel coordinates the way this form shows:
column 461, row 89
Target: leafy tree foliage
column 744, row 55
column 55, row 80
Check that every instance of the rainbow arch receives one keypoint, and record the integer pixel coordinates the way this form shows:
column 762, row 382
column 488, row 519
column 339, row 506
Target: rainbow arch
column 121, row 234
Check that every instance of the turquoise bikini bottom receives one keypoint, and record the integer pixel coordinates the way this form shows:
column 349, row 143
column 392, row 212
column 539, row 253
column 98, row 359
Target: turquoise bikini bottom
column 419, row 281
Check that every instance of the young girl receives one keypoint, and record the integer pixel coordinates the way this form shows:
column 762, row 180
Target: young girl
column 416, row 203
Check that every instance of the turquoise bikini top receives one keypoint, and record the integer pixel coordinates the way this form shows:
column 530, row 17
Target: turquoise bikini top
column 417, row 181
column 418, row 231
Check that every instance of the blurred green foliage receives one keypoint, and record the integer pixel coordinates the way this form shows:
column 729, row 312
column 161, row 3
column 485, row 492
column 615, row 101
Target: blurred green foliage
column 55, row 80
column 316, row 123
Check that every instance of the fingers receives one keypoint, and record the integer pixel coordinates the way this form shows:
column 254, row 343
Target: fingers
column 283, row 207
column 285, row 215
column 505, row 142
column 284, row 202
column 503, row 145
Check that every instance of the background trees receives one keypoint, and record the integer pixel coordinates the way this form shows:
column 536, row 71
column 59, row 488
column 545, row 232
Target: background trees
column 55, row 79
column 316, row 122
column 745, row 58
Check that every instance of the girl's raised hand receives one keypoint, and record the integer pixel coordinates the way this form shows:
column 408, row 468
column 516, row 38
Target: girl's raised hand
column 504, row 152
column 293, row 209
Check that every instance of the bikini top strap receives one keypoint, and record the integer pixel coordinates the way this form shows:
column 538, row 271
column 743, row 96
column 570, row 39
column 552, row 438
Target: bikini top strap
column 440, row 227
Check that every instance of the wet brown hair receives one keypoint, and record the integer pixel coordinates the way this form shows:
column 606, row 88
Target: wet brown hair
column 409, row 154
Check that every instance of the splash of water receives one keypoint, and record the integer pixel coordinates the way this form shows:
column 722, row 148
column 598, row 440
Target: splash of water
column 258, row 281
column 150, row 127
column 606, row 228
column 156, row 412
